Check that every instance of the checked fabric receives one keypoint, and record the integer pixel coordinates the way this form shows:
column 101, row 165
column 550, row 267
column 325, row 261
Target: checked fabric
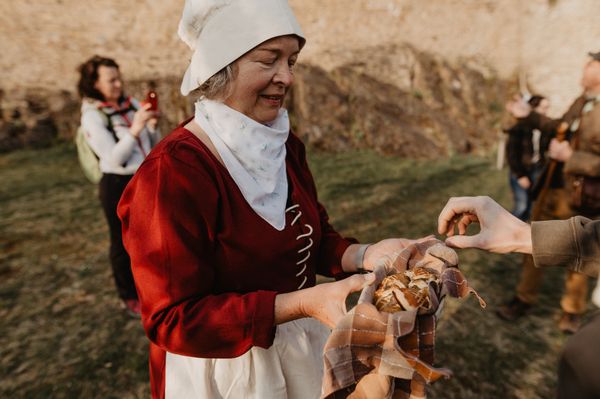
column 373, row 354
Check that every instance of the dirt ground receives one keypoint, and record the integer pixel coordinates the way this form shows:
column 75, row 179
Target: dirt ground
column 63, row 333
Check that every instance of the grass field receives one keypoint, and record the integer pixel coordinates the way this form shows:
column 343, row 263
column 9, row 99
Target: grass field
column 64, row 335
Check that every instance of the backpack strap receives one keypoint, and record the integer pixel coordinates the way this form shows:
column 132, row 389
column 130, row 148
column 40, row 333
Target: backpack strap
column 109, row 124
column 128, row 105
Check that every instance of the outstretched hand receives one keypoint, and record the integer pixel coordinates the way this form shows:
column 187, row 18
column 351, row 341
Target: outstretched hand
column 500, row 231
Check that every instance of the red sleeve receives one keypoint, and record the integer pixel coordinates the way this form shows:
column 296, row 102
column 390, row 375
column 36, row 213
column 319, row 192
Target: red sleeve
column 169, row 221
column 332, row 245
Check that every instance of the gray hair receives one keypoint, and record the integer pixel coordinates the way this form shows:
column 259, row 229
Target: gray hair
column 218, row 86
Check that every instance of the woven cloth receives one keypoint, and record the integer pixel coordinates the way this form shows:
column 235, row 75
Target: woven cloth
column 373, row 354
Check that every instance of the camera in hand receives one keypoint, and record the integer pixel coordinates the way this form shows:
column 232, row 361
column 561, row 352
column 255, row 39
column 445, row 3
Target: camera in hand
column 152, row 99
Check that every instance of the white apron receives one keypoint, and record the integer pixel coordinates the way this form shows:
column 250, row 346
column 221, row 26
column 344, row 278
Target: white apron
column 291, row 368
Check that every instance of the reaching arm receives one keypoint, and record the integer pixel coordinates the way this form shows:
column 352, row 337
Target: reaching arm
column 500, row 231
column 573, row 243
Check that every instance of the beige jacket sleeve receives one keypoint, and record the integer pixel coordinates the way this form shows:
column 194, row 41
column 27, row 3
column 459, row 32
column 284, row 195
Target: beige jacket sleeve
column 572, row 243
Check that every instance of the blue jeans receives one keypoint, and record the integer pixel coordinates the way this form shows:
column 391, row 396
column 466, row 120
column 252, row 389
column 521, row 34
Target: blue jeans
column 521, row 198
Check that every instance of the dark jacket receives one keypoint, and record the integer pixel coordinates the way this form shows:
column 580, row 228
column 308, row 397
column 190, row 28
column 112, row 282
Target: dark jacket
column 520, row 148
column 548, row 127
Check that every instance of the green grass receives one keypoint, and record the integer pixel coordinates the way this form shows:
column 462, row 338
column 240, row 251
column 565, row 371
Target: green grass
column 63, row 334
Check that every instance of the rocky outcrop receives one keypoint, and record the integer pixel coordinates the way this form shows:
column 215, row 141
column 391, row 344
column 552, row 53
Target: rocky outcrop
column 42, row 42
column 394, row 99
column 27, row 120
column 35, row 118
column 397, row 100
column 436, row 95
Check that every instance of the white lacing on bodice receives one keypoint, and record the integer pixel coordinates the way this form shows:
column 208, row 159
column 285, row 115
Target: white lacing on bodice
column 303, row 252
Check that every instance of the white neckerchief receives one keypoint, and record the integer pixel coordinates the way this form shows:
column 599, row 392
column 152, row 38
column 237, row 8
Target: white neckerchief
column 253, row 153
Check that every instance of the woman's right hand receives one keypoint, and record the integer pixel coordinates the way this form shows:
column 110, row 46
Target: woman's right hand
column 327, row 302
column 324, row 302
column 140, row 118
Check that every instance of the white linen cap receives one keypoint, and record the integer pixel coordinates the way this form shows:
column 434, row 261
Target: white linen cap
column 221, row 31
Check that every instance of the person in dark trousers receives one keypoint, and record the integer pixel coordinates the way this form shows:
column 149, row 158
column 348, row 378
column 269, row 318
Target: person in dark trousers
column 525, row 153
column 121, row 132
column 577, row 156
column 572, row 243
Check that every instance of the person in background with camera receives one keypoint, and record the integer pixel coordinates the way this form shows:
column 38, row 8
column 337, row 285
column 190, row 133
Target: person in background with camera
column 574, row 190
column 525, row 153
column 121, row 131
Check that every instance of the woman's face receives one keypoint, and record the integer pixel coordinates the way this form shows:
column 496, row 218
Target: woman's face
column 263, row 77
column 109, row 83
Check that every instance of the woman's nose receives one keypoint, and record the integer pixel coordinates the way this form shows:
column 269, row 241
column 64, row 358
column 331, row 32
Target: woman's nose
column 284, row 75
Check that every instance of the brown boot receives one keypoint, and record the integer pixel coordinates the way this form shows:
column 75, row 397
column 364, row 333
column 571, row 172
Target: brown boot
column 513, row 310
column 569, row 323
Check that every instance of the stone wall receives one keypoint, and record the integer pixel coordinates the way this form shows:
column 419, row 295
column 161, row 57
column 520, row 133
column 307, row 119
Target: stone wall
column 397, row 100
column 43, row 41
column 547, row 40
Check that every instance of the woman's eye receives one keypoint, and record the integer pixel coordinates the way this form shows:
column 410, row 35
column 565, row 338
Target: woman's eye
column 269, row 61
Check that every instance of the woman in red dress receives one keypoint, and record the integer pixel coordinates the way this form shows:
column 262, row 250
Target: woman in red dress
column 223, row 224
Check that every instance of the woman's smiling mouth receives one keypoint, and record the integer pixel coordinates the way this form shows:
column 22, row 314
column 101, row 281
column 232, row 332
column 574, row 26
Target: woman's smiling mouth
column 273, row 100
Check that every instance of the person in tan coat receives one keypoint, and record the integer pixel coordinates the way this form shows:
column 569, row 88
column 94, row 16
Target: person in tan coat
column 578, row 155
column 572, row 243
